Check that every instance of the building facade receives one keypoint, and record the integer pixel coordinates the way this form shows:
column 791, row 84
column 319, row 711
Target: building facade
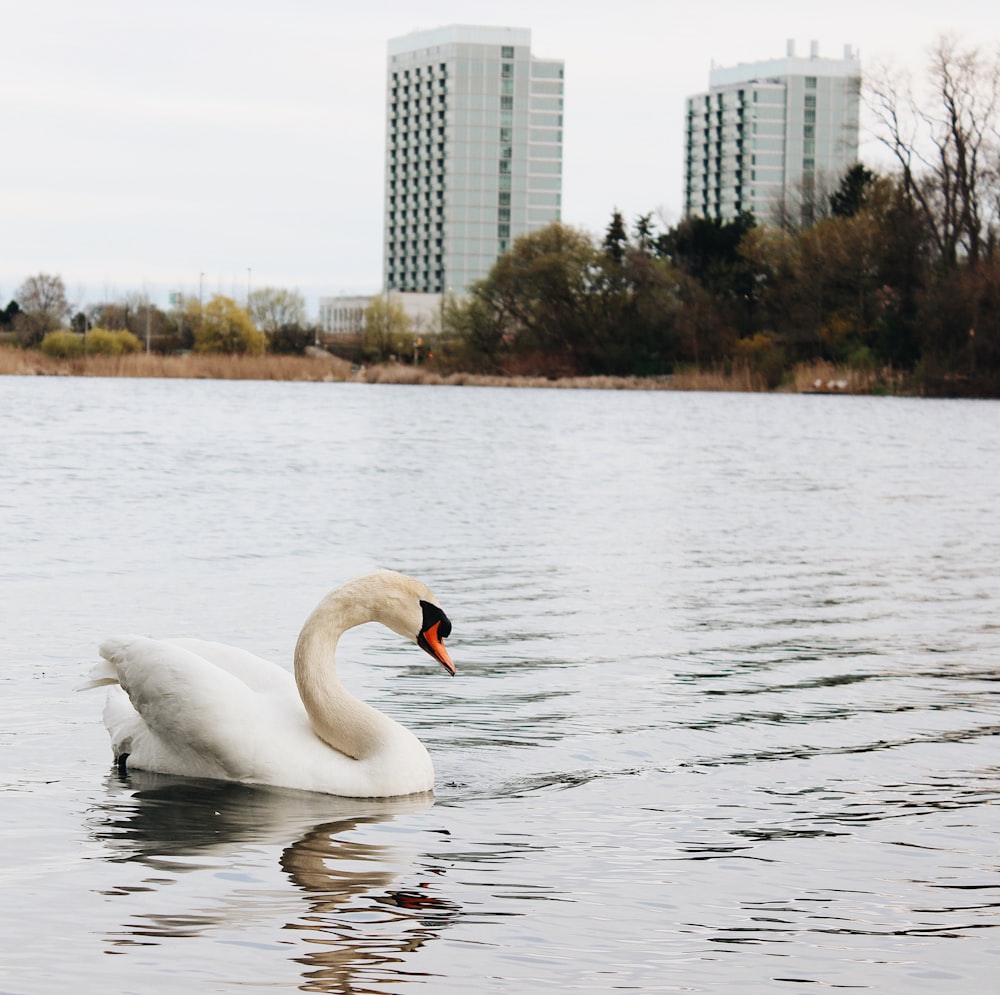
column 474, row 126
column 771, row 137
column 341, row 317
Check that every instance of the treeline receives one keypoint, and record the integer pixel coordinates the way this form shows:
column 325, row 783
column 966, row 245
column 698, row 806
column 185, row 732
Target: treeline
column 40, row 316
column 274, row 321
column 865, row 286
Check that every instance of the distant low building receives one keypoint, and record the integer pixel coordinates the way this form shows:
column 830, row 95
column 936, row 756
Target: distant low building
column 345, row 316
column 342, row 315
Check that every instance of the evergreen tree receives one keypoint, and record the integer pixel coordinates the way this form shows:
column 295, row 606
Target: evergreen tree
column 851, row 196
column 644, row 232
column 616, row 238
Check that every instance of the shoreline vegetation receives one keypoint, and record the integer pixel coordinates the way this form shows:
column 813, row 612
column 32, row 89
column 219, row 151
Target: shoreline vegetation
column 322, row 367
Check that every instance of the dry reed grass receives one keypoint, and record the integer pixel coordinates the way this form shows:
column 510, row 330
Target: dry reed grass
column 398, row 374
column 740, row 378
column 326, row 368
column 27, row 362
column 826, row 378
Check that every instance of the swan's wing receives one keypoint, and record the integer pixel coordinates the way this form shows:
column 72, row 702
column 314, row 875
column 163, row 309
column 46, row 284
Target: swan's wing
column 255, row 672
column 196, row 717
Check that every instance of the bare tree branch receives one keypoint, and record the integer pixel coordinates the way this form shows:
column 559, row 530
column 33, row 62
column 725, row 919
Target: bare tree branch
column 945, row 145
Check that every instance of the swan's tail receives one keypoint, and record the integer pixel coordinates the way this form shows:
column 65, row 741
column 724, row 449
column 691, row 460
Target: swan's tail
column 101, row 676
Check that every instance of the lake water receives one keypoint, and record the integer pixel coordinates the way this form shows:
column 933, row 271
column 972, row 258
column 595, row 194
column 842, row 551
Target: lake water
column 725, row 717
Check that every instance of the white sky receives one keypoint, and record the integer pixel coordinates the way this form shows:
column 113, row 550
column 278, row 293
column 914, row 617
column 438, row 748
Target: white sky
column 148, row 143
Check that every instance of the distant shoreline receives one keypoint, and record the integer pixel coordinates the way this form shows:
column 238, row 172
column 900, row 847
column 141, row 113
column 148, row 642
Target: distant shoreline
column 820, row 378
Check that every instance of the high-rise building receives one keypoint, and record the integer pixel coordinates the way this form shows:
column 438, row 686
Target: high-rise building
column 474, row 126
column 770, row 137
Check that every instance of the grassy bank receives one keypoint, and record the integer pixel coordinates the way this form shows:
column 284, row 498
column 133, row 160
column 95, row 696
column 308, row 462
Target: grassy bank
column 809, row 377
column 30, row 362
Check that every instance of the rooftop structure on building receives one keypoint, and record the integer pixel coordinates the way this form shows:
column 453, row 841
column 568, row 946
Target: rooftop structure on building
column 474, row 127
column 772, row 137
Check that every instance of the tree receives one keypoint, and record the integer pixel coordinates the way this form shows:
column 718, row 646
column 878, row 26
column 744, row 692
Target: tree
column 292, row 339
column 281, row 315
column 771, row 255
column 9, row 314
column 945, row 145
column 835, row 283
column 644, row 236
column 559, row 304
column 960, row 325
column 272, row 307
column 475, row 333
column 642, row 328
column 43, row 305
column 907, row 264
column 855, row 187
column 223, row 326
column 708, row 249
column 616, row 238
column 109, row 314
column 387, row 330
column 551, row 288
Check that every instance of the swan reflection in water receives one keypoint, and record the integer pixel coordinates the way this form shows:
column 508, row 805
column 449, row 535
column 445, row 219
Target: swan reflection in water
column 361, row 906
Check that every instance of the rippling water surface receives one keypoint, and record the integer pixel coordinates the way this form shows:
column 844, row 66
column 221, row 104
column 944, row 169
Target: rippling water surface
column 726, row 714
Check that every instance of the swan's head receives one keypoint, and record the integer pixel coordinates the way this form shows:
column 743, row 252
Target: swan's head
column 410, row 609
column 435, row 627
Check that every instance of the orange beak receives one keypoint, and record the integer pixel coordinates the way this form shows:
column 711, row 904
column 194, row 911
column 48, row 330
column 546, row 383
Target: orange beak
column 430, row 642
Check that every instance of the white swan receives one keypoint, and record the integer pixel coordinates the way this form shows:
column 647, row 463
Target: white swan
column 184, row 706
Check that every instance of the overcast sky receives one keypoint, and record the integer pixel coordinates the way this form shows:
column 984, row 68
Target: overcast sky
column 147, row 143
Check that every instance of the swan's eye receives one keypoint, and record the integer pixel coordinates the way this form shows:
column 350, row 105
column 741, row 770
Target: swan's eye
column 432, row 615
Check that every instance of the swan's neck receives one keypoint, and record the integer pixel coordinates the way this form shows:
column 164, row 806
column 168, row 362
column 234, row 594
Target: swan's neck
column 337, row 717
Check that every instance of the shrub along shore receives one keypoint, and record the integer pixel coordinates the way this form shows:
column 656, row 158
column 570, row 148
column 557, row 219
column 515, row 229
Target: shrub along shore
column 817, row 377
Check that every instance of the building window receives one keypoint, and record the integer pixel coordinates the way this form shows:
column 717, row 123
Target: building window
column 506, row 70
column 506, row 52
column 507, row 103
column 810, row 82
